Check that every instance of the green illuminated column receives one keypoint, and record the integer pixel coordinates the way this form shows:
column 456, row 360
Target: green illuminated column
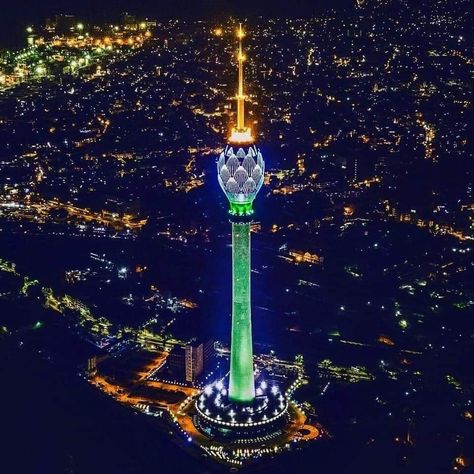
column 241, row 387
column 240, row 174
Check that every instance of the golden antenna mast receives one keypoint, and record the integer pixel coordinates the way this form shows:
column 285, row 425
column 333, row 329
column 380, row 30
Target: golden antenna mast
column 241, row 133
column 240, row 93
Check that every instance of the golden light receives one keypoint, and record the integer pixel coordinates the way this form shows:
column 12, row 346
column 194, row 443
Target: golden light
column 242, row 136
column 218, row 31
column 80, row 26
column 349, row 210
column 142, row 25
column 148, row 34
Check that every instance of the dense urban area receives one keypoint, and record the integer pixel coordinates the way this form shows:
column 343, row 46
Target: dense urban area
column 115, row 240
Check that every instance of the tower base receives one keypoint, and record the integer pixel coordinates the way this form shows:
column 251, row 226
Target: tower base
column 218, row 416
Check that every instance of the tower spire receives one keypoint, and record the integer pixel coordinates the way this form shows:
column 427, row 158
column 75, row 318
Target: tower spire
column 241, row 133
column 240, row 93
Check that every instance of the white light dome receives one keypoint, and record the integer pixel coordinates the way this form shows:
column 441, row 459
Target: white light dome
column 241, row 174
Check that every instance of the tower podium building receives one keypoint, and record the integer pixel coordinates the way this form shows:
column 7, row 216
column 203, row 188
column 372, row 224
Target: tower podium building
column 237, row 406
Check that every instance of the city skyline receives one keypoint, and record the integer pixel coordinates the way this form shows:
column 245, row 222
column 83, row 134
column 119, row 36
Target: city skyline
column 19, row 15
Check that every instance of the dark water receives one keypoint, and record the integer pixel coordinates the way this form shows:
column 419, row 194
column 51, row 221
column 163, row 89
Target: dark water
column 56, row 423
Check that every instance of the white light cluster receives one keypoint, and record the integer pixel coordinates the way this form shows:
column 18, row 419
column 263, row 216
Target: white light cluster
column 216, row 391
column 240, row 174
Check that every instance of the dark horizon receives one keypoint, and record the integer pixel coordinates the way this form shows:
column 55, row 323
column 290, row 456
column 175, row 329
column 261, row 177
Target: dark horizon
column 17, row 15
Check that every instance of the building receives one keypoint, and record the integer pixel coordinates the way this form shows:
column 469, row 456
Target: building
column 91, row 366
column 194, row 362
column 62, row 24
column 235, row 407
column 188, row 361
column 128, row 20
column 240, row 175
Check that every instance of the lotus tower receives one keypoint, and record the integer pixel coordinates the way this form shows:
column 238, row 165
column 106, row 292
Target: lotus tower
column 238, row 406
column 240, row 171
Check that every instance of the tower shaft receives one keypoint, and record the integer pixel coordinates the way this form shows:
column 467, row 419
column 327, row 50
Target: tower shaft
column 241, row 385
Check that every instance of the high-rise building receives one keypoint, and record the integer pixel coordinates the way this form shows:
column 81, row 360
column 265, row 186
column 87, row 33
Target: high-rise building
column 240, row 175
column 194, row 362
column 188, row 361
column 91, row 366
column 64, row 23
column 234, row 406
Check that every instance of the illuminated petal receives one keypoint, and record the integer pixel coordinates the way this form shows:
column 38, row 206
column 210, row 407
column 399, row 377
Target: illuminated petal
column 232, row 186
column 249, row 186
column 257, row 173
column 224, row 174
column 248, row 164
column 221, row 160
column 241, row 176
column 232, row 164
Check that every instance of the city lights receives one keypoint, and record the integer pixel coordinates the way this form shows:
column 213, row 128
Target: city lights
column 139, row 272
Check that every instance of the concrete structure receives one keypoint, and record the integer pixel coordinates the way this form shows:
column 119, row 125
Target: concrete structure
column 234, row 407
column 240, row 175
column 188, row 361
